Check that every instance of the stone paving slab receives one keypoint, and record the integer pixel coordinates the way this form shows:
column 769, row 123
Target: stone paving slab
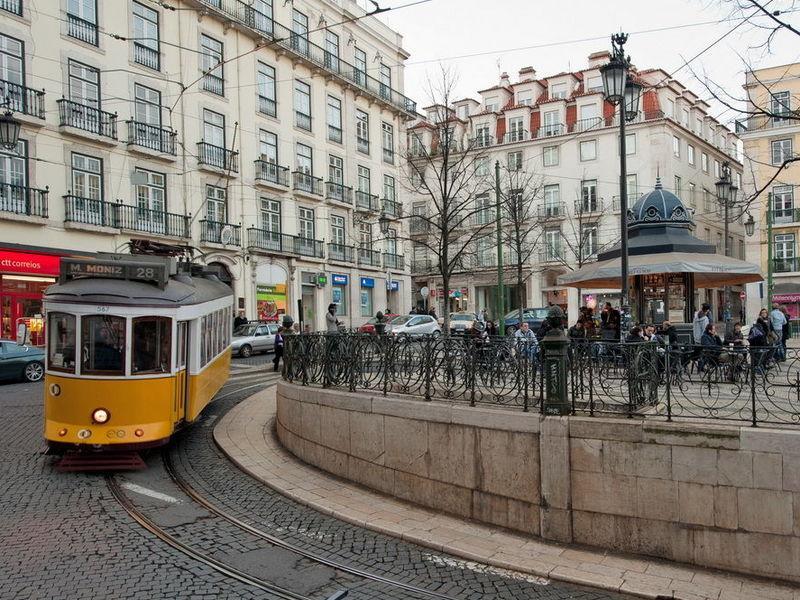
column 246, row 435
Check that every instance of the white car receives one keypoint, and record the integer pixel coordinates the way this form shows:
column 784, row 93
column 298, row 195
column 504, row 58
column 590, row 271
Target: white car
column 253, row 337
column 413, row 325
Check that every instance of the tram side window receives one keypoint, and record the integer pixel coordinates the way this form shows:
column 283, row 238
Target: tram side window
column 152, row 345
column 204, row 335
column 103, row 345
column 61, row 345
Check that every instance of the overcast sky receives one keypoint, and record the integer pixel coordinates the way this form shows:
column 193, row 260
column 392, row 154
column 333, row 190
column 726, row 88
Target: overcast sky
column 441, row 29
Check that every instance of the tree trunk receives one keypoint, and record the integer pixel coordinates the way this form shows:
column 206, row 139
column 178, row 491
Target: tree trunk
column 446, row 315
column 520, row 290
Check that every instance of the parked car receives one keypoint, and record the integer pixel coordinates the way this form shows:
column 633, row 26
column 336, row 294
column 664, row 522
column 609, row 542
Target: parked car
column 369, row 326
column 20, row 361
column 532, row 316
column 254, row 337
column 413, row 325
column 460, row 322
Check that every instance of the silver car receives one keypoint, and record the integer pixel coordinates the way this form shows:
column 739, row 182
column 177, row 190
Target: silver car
column 460, row 322
column 254, row 337
column 413, row 325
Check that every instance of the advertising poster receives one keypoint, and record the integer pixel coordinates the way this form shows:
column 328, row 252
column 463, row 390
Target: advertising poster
column 270, row 301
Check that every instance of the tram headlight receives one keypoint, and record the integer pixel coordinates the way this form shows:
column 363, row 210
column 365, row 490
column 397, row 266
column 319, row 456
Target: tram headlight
column 100, row 415
column 62, row 432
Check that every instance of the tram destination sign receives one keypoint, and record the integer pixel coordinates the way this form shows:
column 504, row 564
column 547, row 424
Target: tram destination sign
column 154, row 272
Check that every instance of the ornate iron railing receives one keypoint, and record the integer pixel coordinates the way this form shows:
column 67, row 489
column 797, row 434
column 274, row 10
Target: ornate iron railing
column 152, row 137
column 272, row 173
column 152, row 222
column 22, row 99
column 392, row 209
column 215, row 232
column 23, row 200
column 81, row 29
column 341, row 253
column 146, row 56
column 89, row 211
column 394, row 261
column 218, row 157
column 338, row 192
column 13, row 6
column 304, row 182
column 281, row 243
column 746, row 384
column 88, row 118
column 366, row 201
column 369, row 258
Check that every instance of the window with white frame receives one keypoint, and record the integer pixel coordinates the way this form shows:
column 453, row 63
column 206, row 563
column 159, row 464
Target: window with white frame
column 780, row 107
column 216, row 204
column 385, row 74
column 588, row 196
column 364, row 179
column 211, row 57
column 692, row 195
column 146, row 36
column 362, row 131
column 588, row 150
column 331, row 50
column 690, row 154
column 389, row 191
column 268, row 146
column 552, row 200
column 302, row 105
column 334, row 114
column 550, row 156
column 594, row 84
column 589, row 240
column 676, row 146
column 482, row 168
column 717, row 170
column 558, row 91
column 483, row 136
column 360, row 64
column 267, row 101
column 299, row 32
column 783, row 203
column 525, row 98
column 678, row 187
column 387, row 137
column 491, row 104
column 87, row 177
column 784, row 247
column 630, row 144
column 338, row 232
column 704, row 162
column 305, row 159
column 516, row 129
column 515, row 161
column 781, row 151
column 632, row 188
column 270, row 215
column 552, row 240
column 306, row 222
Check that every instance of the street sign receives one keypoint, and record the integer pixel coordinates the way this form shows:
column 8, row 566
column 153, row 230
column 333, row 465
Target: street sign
column 742, row 295
column 424, row 292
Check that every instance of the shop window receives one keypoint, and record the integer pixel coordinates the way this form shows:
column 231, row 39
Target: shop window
column 366, row 302
column 61, row 345
column 152, row 345
column 339, row 298
column 102, row 345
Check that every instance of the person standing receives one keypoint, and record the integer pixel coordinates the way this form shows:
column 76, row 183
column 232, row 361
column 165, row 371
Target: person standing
column 278, row 349
column 332, row 323
column 787, row 328
column 700, row 322
column 239, row 320
column 778, row 320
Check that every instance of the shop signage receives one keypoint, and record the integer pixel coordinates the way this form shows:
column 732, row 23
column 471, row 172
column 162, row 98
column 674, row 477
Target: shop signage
column 24, row 262
column 367, row 282
column 108, row 269
column 339, row 279
column 786, row 297
column 394, row 286
column 322, row 280
column 270, row 301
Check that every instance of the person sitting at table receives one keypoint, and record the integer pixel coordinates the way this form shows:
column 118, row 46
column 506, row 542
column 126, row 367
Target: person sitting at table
column 635, row 336
column 712, row 348
column 735, row 337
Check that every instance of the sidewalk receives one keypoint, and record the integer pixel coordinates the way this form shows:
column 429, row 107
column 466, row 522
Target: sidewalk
column 246, row 435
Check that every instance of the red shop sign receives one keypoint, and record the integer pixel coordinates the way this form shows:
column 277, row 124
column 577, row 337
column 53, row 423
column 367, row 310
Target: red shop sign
column 23, row 262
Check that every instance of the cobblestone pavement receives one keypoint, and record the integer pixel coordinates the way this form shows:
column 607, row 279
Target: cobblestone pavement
column 64, row 535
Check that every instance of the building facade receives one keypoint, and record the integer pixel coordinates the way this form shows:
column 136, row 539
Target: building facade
column 561, row 132
column 770, row 136
column 261, row 133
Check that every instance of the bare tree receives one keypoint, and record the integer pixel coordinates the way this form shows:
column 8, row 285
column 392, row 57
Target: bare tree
column 441, row 163
column 520, row 195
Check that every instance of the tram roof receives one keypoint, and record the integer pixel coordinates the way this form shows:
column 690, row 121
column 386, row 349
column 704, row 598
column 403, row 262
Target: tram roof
column 180, row 290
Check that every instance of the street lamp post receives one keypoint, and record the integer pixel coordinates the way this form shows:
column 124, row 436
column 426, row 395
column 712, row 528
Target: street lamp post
column 726, row 194
column 620, row 89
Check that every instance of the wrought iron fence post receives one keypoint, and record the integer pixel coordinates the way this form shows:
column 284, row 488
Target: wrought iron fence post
column 753, row 388
column 326, row 360
column 355, row 364
column 388, row 358
column 427, row 341
column 526, row 365
column 591, row 384
column 472, row 356
column 668, row 382
column 630, row 378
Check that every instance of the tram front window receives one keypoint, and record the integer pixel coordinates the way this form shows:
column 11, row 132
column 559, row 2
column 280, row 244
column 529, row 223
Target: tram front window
column 152, row 345
column 103, row 345
column 61, row 345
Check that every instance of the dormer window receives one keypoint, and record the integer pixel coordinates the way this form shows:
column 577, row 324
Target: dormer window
column 594, row 84
column 463, row 111
column 558, row 91
column 491, row 104
column 525, row 98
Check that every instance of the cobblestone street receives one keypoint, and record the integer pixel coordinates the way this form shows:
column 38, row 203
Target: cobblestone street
column 67, row 537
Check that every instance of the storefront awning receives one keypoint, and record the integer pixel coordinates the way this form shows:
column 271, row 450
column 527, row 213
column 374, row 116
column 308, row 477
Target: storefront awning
column 710, row 270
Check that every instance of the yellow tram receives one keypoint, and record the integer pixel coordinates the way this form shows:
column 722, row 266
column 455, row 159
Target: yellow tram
column 137, row 346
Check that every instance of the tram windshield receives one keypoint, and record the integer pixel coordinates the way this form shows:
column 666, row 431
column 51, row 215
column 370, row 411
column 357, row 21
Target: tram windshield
column 102, row 345
column 152, row 345
column 61, row 345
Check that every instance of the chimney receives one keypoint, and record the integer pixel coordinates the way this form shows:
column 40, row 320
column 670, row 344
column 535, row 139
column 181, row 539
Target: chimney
column 504, row 79
column 527, row 74
column 598, row 59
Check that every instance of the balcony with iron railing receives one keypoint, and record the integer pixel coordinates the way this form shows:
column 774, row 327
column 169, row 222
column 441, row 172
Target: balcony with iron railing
column 483, row 217
column 518, row 135
column 217, row 157
column 151, row 137
column 146, row 56
column 335, row 134
column 22, row 99
column 23, row 200
column 362, row 145
column 341, row 253
column 550, row 130
column 90, row 211
column 273, row 242
column 482, row 141
column 242, row 13
column 369, row 258
column 87, row 118
column 81, row 29
column 306, row 183
column 366, row 201
column 589, row 124
column 423, row 265
column 302, row 120
column 486, row 259
column 12, row 6
column 786, row 265
column 153, row 222
column 555, row 254
column 339, row 192
column 552, row 211
column 271, row 174
column 216, row 232
column 768, row 122
column 588, row 206
column 391, row 208
column 267, row 106
column 214, row 84
column 393, row 261
column 388, row 156
column 782, row 216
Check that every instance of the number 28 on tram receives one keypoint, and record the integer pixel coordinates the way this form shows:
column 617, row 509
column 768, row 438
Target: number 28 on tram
column 137, row 346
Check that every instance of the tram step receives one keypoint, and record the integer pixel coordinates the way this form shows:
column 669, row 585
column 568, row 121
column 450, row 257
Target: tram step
column 107, row 461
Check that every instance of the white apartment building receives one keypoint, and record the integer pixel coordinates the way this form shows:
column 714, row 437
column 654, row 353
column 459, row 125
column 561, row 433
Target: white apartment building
column 561, row 131
column 263, row 133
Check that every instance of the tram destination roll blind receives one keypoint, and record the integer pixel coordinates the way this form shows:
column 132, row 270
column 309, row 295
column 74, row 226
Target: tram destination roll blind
column 150, row 271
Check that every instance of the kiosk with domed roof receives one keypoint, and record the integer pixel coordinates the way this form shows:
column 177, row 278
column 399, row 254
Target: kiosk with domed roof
column 666, row 263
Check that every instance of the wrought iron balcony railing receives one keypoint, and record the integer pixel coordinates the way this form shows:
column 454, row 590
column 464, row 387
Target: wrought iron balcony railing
column 146, row 56
column 388, row 156
column 785, row 215
column 552, row 211
column 362, row 145
column 555, row 254
column 482, row 141
column 267, row 106
column 419, row 225
column 551, row 130
column 516, row 136
column 22, row 99
column 341, row 253
column 87, row 118
column 366, row 201
column 153, row 222
column 786, row 265
column 392, row 209
column 588, row 205
column 339, row 192
column 281, row 243
column 393, row 261
column 12, row 6
column 589, row 124
column 270, row 172
column 335, row 134
column 90, row 211
column 302, row 120
column 152, row 137
column 484, row 217
column 216, row 232
column 424, row 265
column 23, row 200
column 218, row 157
column 303, row 182
column 214, row 84
column 81, row 29
column 300, row 45
column 369, row 258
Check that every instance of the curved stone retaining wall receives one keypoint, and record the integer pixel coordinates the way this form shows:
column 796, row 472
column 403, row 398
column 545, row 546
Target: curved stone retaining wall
column 724, row 497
